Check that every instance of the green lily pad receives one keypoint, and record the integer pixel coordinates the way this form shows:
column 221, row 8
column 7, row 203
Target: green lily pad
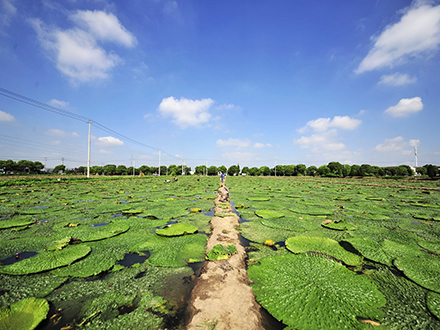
column 293, row 224
column 25, row 314
column 173, row 251
column 16, row 222
column 47, row 260
column 224, row 215
column 424, row 269
column 383, row 252
column 177, row 229
column 340, row 225
column 95, row 232
column 309, row 291
column 58, row 245
column 433, row 246
column 259, row 199
column 327, row 246
column 269, row 214
column 221, row 252
column 433, row 302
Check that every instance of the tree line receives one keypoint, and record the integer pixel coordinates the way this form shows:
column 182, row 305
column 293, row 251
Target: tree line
column 332, row 169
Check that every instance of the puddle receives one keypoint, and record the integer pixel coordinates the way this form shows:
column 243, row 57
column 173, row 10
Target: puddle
column 45, row 220
column 21, row 256
column 396, row 272
column 269, row 322
column 209, row 213
column 196, row 267
column 123, row 202
column 134, row 258
column 117, row 216
column 100, row 224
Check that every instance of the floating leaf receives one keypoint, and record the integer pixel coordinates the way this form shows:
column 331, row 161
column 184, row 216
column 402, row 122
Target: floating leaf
column 47, row 260
column 424, row 269
column 313, row 292
column 221, row 252
column 293, row 224
column 258, row 199
column 16, row 222
column 340, row 225
column 433, row 302
column 25, row 314
column 177, row 229
column 302, row 244
column 269, row 214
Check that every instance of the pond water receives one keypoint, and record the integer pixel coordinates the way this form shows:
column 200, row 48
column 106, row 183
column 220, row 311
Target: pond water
column 21, row 256
column 100, row 224
column 134, row 258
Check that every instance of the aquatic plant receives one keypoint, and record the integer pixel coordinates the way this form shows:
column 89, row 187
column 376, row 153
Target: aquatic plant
column 177, row 229
column 308, row 291
column 221, row 252
column 25, row 314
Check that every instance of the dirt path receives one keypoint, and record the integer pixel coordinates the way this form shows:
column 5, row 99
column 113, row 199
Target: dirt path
column 222, row 298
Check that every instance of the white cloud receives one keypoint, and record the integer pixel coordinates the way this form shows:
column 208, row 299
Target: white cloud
column 6, row 117
column 59, row 104
column 109, row 141
column 103, row 26
column 232, row 143
column 7, row 11
column 185, row 112
column 416, row 33
column 55, row 143
column 323, row 124
column 397, row 144
column 76, row 51
column 406, row 107
column 259, row 145
column 396, row 79
column 59, row 132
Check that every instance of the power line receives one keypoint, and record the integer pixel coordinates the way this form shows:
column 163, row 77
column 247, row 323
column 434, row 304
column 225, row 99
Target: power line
column 66, row 113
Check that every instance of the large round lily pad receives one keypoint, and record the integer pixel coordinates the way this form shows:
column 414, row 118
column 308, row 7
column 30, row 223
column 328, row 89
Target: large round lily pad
column 340, row 225
column 177, row 229
column 293, row 224
column 95, row 232
column 25, row 314
column 328, row 246
column 424, row 269
column 47, row 260
column 309, row 291
column 16, row 222
column 433, row 302
column 269, row 214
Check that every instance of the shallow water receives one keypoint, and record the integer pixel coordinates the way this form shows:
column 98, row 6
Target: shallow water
column 22, row 255
column 134, row 258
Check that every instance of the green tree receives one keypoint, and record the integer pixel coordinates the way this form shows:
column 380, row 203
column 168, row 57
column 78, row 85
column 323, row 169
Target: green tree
column 145, row 169
column 365, row 170
column 300, row 169
column 279, row 170
column 422, row 170
column 233, row 170
column 59, row 168
column 8, row 165
column 122, row 170
column 335, row 168
column 38, row 166
column 245, row 170
column 312, row 170
column 110, row 169
column 254, row 171
column 346, row 169
column 355, row 170
column 431, row 170
column 289, row 170
column 323, row 170
column 264, row 170
column 222, row 169
column 212, row 170
column 200, row 170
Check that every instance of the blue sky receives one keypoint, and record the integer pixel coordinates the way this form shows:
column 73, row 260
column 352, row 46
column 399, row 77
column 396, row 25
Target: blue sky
column 222, row 82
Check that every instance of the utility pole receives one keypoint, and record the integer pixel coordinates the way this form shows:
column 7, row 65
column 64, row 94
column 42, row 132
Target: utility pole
column 62, row 161
column 45, row 161
column 159, row 162
column 134, row 166
column 183, row 160
column 415, row 154
column 88, row 152
column 206, row 170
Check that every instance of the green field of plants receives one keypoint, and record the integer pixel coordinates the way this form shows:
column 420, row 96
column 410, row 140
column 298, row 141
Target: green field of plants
column 112, row 253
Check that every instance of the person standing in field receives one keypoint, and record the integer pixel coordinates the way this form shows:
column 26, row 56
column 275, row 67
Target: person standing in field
column 222, row 177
